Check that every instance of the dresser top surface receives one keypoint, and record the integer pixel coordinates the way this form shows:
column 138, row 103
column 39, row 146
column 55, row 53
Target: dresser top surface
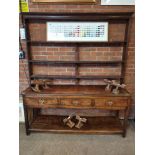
column 75, row 90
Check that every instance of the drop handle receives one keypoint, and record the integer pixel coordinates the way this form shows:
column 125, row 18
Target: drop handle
column 41, row 101
column 110, row 103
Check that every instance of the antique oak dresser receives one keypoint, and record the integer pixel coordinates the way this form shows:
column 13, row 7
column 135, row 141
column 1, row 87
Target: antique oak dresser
column 43, row 94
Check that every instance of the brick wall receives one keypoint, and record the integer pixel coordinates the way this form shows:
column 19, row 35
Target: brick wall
column 86, row 53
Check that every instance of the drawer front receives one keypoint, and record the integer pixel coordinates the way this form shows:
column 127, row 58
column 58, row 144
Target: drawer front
column 105, row 102
column 51, row 102
column 76, row 102
column 111, row 102
column 41, row 101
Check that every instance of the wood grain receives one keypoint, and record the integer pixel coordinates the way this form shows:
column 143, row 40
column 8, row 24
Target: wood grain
column 100, row 125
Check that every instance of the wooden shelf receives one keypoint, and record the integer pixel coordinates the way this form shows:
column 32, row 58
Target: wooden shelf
column 105, row 63
column 110, row 43
column 88, row 77
column 94, row 125
column 106, row 16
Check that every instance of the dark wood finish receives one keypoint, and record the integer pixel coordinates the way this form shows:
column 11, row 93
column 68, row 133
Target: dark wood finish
column 116, row 16
column 27, row 126
column 82, row 44
column 76, row 67
column 86, row 63
column 99, row 125
column 125, row 54
column 77, row 102
column 126, row 113
column 75, row 77
column 27, row 35
column 76, row 96
column 73, row 90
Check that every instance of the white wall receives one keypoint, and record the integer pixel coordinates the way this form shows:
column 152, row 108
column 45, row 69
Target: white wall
column 117, row 2
column 21, row 112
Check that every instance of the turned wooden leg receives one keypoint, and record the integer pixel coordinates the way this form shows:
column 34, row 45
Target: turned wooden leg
column 125, row 121
column 26, row 120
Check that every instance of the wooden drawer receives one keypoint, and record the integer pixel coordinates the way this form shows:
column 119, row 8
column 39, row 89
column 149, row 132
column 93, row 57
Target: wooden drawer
column 76, row 102
column 104, row 102
column 111, row 102
column 51, row 102
column 41, row 101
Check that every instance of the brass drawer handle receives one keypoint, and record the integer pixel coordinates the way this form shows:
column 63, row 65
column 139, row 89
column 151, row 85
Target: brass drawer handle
column 41, row 101
column 110, row 103
column 75, row 102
